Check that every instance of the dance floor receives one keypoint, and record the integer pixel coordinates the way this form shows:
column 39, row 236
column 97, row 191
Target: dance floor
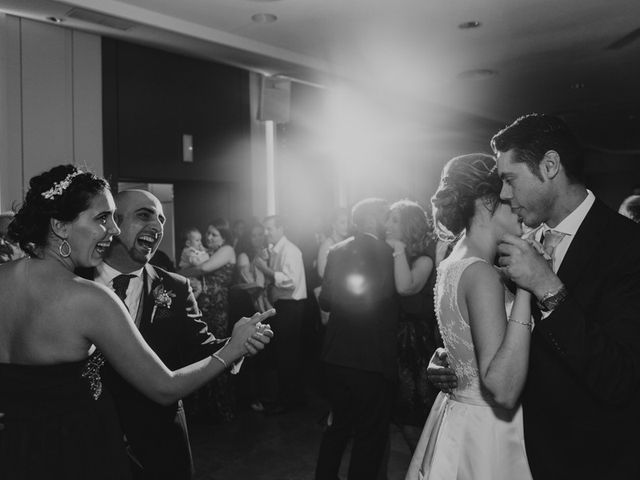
column 284, row 447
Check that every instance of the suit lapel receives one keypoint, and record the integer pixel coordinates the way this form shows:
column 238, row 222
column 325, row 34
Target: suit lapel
column 584, row 246
column 151, row 279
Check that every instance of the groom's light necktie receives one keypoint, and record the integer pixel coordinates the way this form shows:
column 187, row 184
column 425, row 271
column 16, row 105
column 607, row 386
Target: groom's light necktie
column 550, row 240
column 120, row 285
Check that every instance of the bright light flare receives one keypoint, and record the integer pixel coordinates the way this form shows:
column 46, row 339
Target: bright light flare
column 356, row 284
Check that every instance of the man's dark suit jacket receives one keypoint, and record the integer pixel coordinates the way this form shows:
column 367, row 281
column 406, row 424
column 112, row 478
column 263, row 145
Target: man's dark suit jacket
column 358, row 290
column 581, row 402
column 157, row 434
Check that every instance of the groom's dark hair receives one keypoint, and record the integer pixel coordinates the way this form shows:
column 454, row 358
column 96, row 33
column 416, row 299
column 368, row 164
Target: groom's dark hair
column 533, row 135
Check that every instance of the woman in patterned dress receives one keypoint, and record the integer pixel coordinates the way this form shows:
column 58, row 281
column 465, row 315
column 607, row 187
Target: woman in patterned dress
column 215, row 402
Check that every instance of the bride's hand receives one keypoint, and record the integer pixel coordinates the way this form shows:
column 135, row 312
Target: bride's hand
column 249, row 335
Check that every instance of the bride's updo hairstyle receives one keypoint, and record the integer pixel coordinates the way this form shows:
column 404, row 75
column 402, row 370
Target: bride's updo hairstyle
column 464, row 180
column 61, row 193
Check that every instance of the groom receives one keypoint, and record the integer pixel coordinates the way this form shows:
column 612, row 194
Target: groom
column 582, row 397
column 165, row 311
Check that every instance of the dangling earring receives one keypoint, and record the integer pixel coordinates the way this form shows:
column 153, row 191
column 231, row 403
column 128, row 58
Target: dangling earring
column 64, row 249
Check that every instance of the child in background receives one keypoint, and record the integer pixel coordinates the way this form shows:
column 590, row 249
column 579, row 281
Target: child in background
column 192, row 254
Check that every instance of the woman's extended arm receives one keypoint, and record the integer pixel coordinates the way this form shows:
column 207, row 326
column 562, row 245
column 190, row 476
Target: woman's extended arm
column 323, row 253
column 502, row 347
column 220, row 258
column 409, row 279
column 117, row 337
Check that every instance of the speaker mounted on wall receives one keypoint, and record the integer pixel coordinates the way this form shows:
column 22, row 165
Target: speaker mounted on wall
column 274, row 99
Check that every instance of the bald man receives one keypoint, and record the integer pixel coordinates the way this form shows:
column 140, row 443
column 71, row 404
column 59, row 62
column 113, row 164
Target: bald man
column 165, row 311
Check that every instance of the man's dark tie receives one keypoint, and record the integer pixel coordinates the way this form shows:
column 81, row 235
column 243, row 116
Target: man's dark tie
column 120, row 285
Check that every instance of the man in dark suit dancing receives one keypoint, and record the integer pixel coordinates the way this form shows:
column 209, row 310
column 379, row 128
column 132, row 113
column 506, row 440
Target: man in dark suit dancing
column 359, row 349
column 580, row 403
column 165, row 311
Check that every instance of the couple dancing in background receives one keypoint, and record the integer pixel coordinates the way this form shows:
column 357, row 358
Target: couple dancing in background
column 58, row 419
column 576, row 368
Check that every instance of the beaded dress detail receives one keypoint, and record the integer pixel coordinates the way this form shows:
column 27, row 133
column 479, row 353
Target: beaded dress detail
column 91, row 372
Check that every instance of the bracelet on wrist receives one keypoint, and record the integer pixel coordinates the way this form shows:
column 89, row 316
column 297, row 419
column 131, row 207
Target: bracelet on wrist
column 528, row 324
column 220, row 359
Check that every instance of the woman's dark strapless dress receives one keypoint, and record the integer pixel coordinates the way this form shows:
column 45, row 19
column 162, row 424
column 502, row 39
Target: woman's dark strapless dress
column 59, row 424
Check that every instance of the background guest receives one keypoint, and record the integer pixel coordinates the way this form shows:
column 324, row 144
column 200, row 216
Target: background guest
column 359, row 348
column 250, row 278
column 410, row 234
column 247, row 296
column 285, row 270
column 215, row 402
column 193, row 253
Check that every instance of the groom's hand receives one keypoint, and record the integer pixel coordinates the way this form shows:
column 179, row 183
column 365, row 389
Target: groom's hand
column 525, row 266
column 440, row 373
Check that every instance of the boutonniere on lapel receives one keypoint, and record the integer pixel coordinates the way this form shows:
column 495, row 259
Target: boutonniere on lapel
column 161, row 298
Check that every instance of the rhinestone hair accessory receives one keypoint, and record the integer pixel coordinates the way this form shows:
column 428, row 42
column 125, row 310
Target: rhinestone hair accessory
column 59, row 187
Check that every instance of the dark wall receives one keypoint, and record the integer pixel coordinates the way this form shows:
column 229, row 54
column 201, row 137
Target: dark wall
column 150, row 99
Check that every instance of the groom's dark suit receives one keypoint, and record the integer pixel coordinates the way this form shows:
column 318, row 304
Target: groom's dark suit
column 157, row 434
column 581, row 402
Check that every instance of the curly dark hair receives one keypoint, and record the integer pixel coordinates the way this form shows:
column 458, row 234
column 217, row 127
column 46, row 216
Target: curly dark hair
column 417, row 230
column 532, row 136
column 464, row 180
column 30, row 226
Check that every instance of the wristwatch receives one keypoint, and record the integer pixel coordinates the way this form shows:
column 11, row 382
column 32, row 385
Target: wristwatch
column 551, row 300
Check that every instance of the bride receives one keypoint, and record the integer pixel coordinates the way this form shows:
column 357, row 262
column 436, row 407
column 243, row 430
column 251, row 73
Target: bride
column 475, row 431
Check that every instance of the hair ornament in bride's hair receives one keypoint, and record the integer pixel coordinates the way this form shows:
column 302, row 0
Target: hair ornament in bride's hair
column 59, row 187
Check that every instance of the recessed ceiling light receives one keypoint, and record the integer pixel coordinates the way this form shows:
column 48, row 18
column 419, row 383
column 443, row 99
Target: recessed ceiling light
column 264, row 18
column 55, row 19
column 477, row 74
column 577, row 86
column 470, row 24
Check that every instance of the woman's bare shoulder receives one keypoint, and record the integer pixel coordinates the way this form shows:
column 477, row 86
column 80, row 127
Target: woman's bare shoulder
column 481, row 276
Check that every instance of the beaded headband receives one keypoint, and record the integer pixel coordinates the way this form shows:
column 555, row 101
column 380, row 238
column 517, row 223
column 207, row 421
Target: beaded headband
column 59, row 187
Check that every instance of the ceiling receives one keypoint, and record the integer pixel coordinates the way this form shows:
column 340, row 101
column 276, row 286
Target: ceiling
column 576, row 58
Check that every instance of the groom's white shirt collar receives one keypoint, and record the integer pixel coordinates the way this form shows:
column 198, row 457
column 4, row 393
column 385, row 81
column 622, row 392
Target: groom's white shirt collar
column 569, row 226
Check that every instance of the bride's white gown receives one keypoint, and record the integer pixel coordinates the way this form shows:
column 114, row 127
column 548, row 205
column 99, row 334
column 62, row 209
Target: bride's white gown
column 465, row 437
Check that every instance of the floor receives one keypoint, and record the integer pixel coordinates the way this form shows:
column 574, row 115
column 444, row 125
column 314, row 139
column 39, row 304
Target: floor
column 284, row 447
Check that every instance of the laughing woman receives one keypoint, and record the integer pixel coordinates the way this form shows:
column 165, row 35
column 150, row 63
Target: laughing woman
column 56, row 420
